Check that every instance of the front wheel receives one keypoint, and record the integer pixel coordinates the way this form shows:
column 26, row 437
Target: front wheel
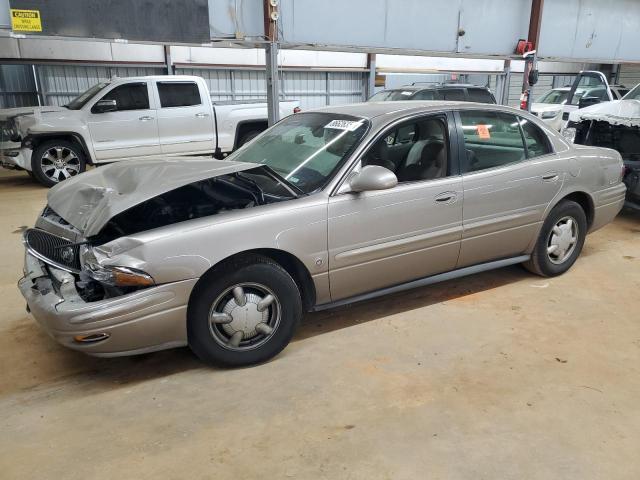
column 56, row 160
column 560, row 242
column 244, row 313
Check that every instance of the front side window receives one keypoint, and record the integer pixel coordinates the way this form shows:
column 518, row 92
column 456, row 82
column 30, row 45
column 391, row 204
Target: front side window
column 587, row 83
column 425, row 95
column 414, row 151
column 492, row 139
column 82, row 99
column 178, row 94
column 131, row 96
column 306, row 149
column 480, row 95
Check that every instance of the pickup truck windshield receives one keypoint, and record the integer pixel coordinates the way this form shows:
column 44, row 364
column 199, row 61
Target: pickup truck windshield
column 634, row 94
column 554, row 96
column 81, row 100
column 306, row 149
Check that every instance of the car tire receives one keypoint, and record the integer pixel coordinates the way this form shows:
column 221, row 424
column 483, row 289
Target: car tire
column 560, row 240
column 56, row 160
column 247, row 137
column 228, row 327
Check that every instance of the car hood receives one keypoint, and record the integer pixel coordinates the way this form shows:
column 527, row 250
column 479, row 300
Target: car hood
column 616, row 112
column 91, row 199
column 7, row 113
column 545, row 107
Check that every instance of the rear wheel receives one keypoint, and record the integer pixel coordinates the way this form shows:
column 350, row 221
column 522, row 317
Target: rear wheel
column 57, row 160
column 247, row 313
column 560, row 242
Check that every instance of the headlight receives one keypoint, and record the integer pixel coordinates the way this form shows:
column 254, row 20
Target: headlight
column 551, row 114
column 569, row 134
column 116, row 276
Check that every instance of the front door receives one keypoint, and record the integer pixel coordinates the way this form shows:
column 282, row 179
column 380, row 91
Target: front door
column 510, row 175
column 131, row 130
column 383, row 238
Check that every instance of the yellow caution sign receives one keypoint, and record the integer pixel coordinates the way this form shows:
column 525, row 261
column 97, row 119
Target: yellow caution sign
column 25, row 20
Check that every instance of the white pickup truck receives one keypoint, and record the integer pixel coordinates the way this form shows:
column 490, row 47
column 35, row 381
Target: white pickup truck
column 128, row 118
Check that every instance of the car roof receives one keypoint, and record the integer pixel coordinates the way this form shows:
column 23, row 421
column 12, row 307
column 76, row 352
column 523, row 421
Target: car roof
column 400, row 108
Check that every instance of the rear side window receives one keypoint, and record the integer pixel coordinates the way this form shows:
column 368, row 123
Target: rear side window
column 480, row 95
column 178, row 94
column 492, row 139
column 131, row 96
column 424, row 95
column 535, row 139
column 454, row 94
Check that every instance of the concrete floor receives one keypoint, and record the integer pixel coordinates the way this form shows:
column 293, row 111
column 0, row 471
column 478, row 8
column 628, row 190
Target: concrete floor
column 503, row 375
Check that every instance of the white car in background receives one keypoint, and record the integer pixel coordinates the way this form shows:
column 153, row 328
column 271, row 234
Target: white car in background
column 550, row 105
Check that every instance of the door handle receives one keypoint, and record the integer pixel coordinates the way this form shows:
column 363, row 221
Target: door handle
column 550, row 177
column 202, row 115
column 145, row 118
column 446, row 197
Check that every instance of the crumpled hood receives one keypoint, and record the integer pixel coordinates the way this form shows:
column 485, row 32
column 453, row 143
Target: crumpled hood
column 6, row 113
column 88, row 201
column 616, row 112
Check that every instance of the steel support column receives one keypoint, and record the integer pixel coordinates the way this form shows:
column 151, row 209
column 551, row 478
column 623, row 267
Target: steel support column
column 535, row 21
column 371, row 75
column 271, row 60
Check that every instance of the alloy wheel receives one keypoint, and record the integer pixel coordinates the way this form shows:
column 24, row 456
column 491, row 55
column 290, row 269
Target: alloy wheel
column 59, row 163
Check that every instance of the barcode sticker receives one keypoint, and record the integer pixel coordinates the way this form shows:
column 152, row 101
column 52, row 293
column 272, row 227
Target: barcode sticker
column 349, row 125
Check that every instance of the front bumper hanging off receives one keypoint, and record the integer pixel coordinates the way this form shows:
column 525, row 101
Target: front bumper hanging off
column 143, row 321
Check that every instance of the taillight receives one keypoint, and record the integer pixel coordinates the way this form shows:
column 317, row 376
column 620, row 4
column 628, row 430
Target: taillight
column 524, row 98
column 297, row 110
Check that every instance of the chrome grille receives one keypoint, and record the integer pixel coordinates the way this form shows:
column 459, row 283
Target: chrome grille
column 54, row 250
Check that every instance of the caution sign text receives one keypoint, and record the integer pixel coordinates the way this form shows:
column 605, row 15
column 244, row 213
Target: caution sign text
column 25, row 20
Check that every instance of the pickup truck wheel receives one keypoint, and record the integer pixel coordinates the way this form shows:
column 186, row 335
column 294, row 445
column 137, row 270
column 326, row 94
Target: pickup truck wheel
column 56, row 160
column 560, row 241
column 246, row 314
column 247, row 137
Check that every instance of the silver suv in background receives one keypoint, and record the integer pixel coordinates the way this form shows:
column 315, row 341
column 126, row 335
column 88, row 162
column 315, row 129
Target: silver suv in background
column 456, row 92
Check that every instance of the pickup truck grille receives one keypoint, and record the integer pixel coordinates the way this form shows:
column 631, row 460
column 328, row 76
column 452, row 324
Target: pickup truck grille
column 56, row 251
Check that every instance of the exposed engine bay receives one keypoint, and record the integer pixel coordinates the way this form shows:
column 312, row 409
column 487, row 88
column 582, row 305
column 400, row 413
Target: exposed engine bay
column 623, row 138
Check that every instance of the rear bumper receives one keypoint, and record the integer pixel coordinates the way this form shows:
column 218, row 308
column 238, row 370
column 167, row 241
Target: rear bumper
column 609, row 203
column 143, row 321
column 15, row 157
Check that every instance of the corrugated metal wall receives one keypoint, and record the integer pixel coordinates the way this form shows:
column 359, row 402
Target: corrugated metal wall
column 629, row 75
column 59, row 84
column 17, row 86
column 313, row 88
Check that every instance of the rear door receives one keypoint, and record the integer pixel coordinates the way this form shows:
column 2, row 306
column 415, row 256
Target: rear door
column 510, row 175
column 185, row 124
column 130, row 131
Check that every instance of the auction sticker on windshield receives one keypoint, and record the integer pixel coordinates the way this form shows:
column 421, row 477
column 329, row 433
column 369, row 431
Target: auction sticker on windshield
column 349, row 125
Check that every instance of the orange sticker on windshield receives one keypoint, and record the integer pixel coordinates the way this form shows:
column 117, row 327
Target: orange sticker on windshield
column 483, row 132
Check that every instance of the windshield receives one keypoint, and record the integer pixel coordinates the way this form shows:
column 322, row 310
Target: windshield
column 554, row 96
column 634, row 94
column 306, row 149
column 390, row 95
column 82, row 99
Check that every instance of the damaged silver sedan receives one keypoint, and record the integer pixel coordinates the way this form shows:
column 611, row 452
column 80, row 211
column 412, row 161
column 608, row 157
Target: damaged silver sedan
column 323, row 209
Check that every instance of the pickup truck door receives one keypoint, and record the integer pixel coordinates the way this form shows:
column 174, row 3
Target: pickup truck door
column 185, row 122
column 588, row 88
column 129, row 131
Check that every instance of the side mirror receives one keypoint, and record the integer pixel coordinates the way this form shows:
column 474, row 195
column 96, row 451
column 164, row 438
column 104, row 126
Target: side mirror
column 588, row 101
column 103, row 106
column 373, row 177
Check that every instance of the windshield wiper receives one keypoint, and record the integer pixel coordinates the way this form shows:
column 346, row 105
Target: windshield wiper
column 297, row 192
